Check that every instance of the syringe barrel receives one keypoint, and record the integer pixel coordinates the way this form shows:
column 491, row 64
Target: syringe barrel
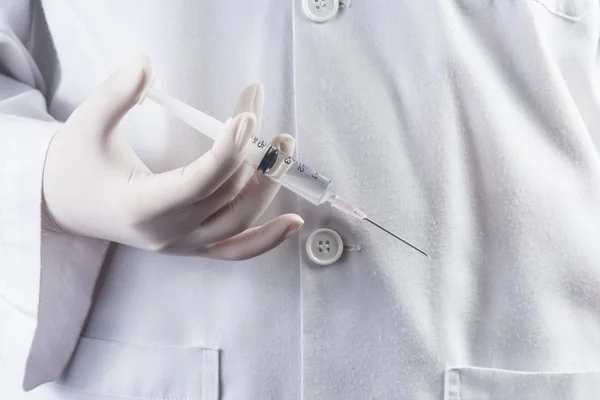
column 258, row 153
column 291, row 173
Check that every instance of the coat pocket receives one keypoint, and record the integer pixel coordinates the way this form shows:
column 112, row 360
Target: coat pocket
column 470, row 383
column 573, row 10
column 125, row 371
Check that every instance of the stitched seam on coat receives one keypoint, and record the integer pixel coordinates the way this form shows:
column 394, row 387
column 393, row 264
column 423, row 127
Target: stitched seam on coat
column 452, row 384
column 3, row 166
column 297, row 205
column 152, row 346
column 458, row 385
column 123, row 396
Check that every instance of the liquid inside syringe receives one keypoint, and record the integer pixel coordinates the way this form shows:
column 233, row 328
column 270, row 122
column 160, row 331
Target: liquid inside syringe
column 270, row 161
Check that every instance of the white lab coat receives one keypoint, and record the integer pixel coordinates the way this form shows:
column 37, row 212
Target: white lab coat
column 470, row 127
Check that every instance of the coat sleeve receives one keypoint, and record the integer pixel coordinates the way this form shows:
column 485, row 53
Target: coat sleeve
column 46, row 280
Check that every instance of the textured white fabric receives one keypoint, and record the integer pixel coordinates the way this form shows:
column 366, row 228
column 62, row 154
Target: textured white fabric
column 469, row 127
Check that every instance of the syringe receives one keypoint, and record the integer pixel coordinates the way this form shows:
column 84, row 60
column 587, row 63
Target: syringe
column 270, row 161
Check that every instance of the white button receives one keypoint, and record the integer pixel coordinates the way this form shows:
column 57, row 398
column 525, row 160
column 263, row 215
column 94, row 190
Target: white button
column 324, row 246
column 320, row 10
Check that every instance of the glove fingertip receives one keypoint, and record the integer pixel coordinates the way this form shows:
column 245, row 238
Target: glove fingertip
column 285, row 143
column 294, row 226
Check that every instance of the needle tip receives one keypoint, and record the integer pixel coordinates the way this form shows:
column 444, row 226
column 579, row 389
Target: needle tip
column 398, row 237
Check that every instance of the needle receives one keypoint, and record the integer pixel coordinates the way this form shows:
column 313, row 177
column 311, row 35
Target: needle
column 397, row 237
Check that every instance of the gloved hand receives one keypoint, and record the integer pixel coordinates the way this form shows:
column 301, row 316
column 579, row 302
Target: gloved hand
column 94, row 184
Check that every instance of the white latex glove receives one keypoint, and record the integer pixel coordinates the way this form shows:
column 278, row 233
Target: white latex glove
column 95, row 185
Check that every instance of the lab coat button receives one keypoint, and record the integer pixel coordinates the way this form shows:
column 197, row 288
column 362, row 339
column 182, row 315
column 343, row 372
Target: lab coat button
column 324, row 246
column 320, row 10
